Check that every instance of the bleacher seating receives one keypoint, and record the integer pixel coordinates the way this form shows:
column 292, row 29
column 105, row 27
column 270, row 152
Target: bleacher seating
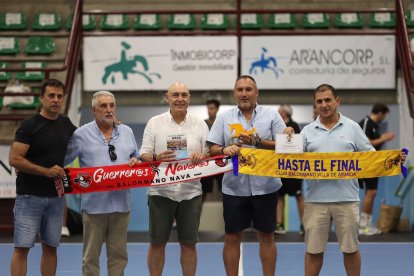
column 409, row 18
column 215, row 21
column 12, row 21
column 34, row 105
column 88, row 22
column 281, row 21
column 181, row 22
column 40, row 45
column 47, row 22
column 315, row 21
column 9, row 45
column 31, row 75
column 112, row 22
column 4, row 76
column 148, row 22
column 348, row 20
column 382, row 20
column 251, row 21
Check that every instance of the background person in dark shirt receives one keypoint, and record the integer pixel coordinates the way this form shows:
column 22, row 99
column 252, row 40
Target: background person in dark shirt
column 370, row 125
column 38, row 153
column 208, row 182
column 291, row 186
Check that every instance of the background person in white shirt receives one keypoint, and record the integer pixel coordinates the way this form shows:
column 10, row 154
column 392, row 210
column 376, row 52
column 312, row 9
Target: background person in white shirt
column 181, row 201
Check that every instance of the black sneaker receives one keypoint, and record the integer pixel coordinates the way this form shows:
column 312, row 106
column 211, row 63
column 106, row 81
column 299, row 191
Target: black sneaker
column 280, row 229
column 301, row 229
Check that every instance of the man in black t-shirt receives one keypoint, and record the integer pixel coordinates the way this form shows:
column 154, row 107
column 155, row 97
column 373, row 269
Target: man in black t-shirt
column 38, row 153
column 370, row 125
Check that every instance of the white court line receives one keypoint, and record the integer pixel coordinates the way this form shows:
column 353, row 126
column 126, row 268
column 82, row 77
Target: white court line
column 241, row 273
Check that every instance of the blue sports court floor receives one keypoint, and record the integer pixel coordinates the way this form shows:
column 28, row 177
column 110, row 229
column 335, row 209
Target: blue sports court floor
column 378, row 259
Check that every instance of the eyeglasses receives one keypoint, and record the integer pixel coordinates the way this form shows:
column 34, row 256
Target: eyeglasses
column 112, row 153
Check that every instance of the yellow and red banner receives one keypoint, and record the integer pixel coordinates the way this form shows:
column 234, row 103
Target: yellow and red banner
column 338, row 165
column 312, row 165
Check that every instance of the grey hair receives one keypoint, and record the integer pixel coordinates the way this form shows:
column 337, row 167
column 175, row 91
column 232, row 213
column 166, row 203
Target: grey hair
column 287, row 108
column 101, row 93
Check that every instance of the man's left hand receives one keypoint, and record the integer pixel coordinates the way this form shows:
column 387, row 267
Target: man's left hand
column 403, row 157
column 133, row 161
column 289, row 131
column 196, row 157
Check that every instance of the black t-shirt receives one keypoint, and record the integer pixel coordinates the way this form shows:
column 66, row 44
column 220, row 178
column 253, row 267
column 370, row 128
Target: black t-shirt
column 371, row 129
column 48, row 141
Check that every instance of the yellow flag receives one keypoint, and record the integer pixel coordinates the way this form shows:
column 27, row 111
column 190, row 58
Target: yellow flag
column 320, row 165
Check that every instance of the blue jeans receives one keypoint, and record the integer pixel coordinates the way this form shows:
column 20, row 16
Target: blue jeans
column 35, row 214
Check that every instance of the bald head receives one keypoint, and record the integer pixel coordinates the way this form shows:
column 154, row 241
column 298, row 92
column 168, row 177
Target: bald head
column 177, row 86
column 178, row 98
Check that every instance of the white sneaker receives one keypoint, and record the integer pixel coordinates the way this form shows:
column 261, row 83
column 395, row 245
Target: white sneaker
column 369, row 231
column 65, row 232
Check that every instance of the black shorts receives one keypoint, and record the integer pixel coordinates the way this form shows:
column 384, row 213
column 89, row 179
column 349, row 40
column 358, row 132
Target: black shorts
column 208, row 182
column 240, row 211
column 368, row 183
column 291, row 186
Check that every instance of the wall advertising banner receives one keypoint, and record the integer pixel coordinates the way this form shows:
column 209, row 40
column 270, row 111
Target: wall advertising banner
column 7, row 174
column 304, row 62
column 153, row 63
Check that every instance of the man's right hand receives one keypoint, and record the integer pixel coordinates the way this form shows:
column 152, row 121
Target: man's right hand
column 168, row 155
column 231, row 150
column 55, row 171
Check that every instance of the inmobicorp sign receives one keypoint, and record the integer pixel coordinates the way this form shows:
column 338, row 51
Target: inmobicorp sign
column 304, row 62
column 153, row 63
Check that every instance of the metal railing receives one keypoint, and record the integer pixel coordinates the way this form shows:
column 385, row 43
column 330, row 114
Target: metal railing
column 405, row 54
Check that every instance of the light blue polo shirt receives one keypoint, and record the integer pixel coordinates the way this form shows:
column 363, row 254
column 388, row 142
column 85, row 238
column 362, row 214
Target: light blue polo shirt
column 345, row 136
column 267, row 123
column 90, row 146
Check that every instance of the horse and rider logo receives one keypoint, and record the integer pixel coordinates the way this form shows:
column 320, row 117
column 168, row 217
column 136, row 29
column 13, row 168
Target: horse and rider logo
column 264, row 63
column 127, row 66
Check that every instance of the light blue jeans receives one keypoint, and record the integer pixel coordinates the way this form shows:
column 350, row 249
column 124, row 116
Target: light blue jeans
column 35, row 214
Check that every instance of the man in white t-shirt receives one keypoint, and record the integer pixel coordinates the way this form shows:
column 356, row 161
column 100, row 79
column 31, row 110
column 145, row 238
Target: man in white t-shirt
column 174, row 135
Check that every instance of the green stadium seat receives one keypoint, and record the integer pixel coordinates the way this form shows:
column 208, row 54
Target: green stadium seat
column 88, row 22
column 382, row 20
column 315, row 21
column 251, row 21
column 181, row 22
column 1, row 102
column 40, row 45
column 409, row 18
column 348, row 20
column 9, row 45
column 31, row 75
column 12, row 21
column 281, row 21
column 112, row 22
column 4, row 76
column 34, row 105
column 148, row 22
column 215, row 21
column 47, row 22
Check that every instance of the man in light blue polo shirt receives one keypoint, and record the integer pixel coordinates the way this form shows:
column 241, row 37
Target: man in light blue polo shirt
column 336, row 200
column 248, row 198
column 105, row 214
